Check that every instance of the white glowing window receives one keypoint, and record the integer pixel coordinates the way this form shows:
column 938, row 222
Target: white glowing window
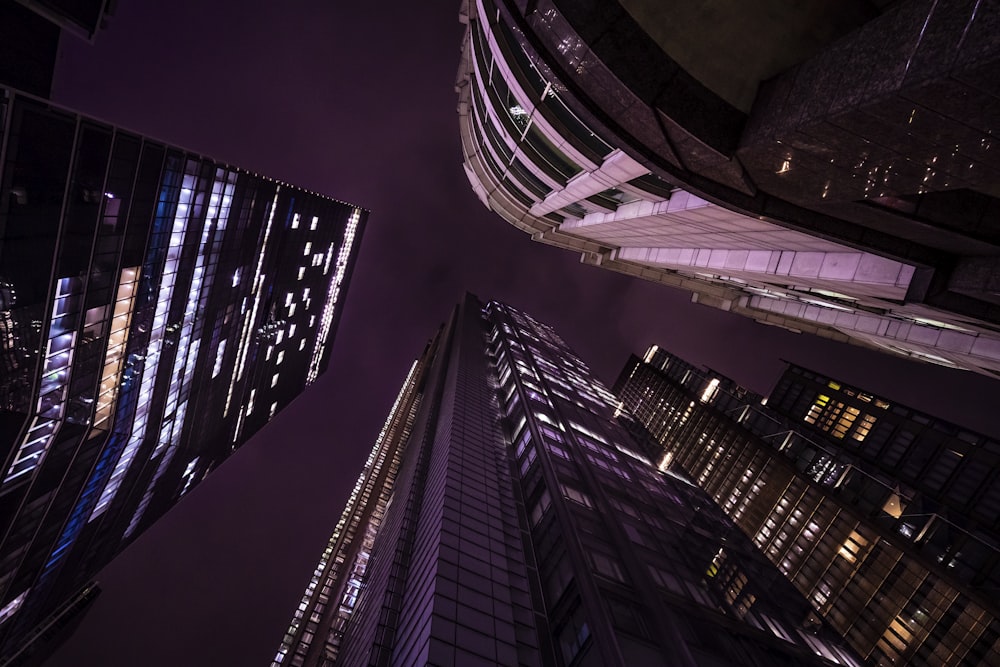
column 267, row 355
column 274, row 379
column 11, row 607
column 219, row 354
column 302, row 344
column 711, row 389
column 302, row 272
column 288, row 299
column 308, row 248
column 295, row 221
column 281, row 357
column 312, row 320
column 236, row 278
column 281, row 337
column 305, row 293
column 291, row 310
column 291, row 330
column 274, row 408
column 315, row 221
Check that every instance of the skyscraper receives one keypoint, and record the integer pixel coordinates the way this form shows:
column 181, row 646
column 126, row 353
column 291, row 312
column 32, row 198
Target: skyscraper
column 884, row 517
column 157, row 308
column 509, row 514
column 731, row 151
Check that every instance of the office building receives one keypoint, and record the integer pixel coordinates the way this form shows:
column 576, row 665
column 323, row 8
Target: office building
column 157, row 308
column 509, row 515
column 755, row 156
column 884, row 517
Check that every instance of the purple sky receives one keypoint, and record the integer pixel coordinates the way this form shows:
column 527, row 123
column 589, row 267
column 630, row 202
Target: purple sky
column 356, row 100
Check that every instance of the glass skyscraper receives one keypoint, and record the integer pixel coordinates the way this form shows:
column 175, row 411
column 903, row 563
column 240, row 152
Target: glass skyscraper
column 157, row 308
column 884, row 517
column 510, row 514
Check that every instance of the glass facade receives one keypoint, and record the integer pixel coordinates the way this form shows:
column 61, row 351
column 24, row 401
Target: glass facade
column 554, row 162
column 153, row 303
column 510, row 513
column 880, row 515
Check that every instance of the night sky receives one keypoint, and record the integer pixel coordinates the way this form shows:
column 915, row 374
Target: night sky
column 356, row 100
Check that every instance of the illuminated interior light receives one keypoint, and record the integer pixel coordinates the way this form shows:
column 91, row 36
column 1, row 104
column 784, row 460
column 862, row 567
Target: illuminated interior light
column 121, row 321
column 11, row 607
column 220, row 354
column 164, row 296
column 333, row 294
column 710, row 390
column 894, row 504
column 53, row 389
column 249, row 323
column 314, row 224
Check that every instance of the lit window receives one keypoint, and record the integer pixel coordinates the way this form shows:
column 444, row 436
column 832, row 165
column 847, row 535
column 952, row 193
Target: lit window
column 291, row 310
column 281, row 357
column 274, row 408
column 817, row 408
column 894, row 505
column 851, row 549
column 711, row 389
column 302, row 344
column 302, row 272
column 295, row 221
column 308, row 248
column 867, row 422
column 291, row 330
column 315, row 221
column 274, row 379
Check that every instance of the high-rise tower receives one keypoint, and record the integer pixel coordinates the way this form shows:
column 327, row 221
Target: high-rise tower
column 509, row 514
column 738, row 152
column 157, row 308
column 884, row 517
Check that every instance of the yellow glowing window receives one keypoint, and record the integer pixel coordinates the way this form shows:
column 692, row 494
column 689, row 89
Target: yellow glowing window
column 864, row 427
column 894, row 505
column 852, row 546
column 833, row 385
column 817, row 408
column 845, row 422
column 882, row 404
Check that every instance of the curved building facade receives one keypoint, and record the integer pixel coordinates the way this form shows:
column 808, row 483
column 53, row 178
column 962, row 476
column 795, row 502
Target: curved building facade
column 607, row 131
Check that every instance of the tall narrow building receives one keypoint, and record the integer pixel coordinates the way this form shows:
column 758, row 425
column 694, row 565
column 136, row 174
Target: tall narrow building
column 157, row 308
column 884, row 517
column 509, row 515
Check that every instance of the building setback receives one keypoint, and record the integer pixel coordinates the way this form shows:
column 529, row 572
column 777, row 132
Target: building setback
column 736, row 151
column 157, row 308
column 508, row 514
column 884, row 517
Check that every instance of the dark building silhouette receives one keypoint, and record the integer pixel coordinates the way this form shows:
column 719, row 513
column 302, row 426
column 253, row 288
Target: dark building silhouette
column 829, row 168
column 884, row 517
column 509, row 515
column 157, row 308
